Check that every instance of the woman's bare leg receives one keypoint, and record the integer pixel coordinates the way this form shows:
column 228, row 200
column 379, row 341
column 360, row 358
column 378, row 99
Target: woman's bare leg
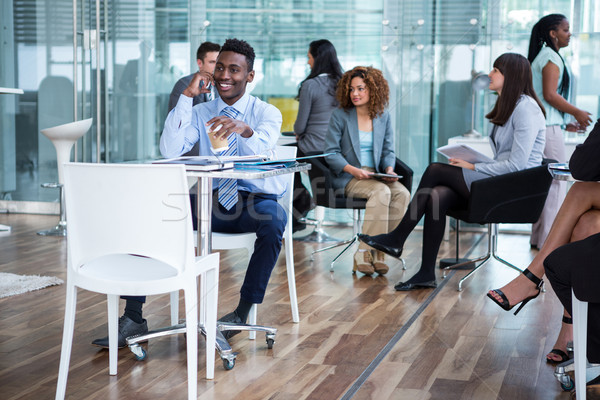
column 582, row 197
column 588, row 225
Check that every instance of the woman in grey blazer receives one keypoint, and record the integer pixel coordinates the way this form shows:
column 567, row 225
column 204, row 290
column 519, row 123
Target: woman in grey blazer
column 517, row 138
column 361, row 139
column 316, row 97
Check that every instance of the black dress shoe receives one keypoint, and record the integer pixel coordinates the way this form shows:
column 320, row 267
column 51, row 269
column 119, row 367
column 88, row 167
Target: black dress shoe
column 392, row 251
column 127, row 328
column 231, row 318
column 405, row 286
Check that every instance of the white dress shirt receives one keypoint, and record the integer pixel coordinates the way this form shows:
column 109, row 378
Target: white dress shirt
column 185, row 125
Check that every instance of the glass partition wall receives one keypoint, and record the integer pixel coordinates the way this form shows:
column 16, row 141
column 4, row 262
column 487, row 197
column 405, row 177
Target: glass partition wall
column 117, row 60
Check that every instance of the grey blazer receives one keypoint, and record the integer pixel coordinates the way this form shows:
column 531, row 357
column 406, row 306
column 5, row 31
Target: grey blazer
column 343, row 140
column 517, row 145
column 314, row 112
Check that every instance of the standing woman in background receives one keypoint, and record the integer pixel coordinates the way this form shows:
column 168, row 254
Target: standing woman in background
column 317, row 101
column 361, row 138
column 553, row 83
column 317, row 97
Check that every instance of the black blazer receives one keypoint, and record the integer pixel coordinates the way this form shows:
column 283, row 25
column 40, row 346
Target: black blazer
column 585, row 161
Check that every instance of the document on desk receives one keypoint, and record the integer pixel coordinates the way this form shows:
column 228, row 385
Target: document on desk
column 277, row 163
column 200, row 163
column 464, row 152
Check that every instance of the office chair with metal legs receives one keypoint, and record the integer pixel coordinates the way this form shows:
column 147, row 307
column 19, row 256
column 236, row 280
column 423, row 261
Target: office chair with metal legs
column 516, row 197
column 327, row 196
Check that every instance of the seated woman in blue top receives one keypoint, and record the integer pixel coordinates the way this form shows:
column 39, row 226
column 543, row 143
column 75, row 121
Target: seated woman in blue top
column 360, row 136
column 517, row 129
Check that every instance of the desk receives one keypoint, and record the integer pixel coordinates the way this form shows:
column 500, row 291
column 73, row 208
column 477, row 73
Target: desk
column 204, row 215
column 559, row 173
column 4, row 90
column 204, row 193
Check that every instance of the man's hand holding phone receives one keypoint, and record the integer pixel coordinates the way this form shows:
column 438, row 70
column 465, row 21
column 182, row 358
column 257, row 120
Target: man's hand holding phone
column 201, row 83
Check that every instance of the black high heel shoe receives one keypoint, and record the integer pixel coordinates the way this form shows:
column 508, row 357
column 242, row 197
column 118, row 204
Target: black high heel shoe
column 505, row 305
column 369, row 240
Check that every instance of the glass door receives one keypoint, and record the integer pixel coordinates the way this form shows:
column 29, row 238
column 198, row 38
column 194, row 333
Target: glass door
column 124, row 74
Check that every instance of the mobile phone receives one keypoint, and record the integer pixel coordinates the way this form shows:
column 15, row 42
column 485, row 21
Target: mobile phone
column 202, row 84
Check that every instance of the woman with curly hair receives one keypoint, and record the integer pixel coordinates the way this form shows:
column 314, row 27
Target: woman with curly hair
column 517, row 131
column 361, row 139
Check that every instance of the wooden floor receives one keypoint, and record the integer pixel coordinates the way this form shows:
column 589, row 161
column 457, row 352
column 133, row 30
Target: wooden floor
column 357, row 337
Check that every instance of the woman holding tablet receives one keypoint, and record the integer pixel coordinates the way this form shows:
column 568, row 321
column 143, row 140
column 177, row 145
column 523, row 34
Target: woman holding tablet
column 360, row 136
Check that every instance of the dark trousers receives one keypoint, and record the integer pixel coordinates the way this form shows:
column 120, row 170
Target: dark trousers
column 259, row 213
column 574, row 266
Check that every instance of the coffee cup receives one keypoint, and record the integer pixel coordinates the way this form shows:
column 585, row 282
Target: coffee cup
column 219, row 143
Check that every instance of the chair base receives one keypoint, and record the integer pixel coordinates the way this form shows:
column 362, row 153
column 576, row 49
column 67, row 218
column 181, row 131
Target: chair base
column 564, row 371
column 318, row 236
column 58, row 230
column 348, row 244
column 61, row 228
column 449, row 262
column 228, row 356
column 491, row 253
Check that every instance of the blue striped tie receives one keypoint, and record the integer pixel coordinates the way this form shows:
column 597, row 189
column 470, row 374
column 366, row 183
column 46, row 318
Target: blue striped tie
column 228, row 195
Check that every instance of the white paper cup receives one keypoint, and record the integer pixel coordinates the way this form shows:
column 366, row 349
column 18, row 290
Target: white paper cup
column 218, row 144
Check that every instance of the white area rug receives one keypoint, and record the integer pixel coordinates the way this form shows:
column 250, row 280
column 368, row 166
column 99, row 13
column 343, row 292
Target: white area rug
column 12, row 284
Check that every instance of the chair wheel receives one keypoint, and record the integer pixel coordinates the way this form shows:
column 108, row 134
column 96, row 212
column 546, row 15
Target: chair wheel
column 139, row 352
column 270, row 343
column 568, row 386
column 228, row 364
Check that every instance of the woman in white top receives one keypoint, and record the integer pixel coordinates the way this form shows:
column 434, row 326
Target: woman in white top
column 553, row 84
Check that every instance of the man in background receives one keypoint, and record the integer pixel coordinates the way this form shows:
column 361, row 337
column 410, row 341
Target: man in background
column 206, row 58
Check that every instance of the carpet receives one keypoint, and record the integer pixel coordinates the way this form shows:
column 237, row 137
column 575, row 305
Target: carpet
column 12, row 284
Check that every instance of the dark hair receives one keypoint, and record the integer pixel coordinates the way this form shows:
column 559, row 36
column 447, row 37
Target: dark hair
column 241, row 47
column 379, row 91
column 206, row 47
column 540, row 35
column 326, row 62
column 517, row 81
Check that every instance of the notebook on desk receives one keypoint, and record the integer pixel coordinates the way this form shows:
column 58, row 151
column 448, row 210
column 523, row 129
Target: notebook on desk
column 198, row 163
column 274, row 164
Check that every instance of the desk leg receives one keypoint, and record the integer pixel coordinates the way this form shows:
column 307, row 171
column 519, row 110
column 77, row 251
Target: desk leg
column 204, row 246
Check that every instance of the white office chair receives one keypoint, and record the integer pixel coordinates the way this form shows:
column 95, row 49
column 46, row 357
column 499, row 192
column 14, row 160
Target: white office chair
column 63, row 137
column 151, row 251
column 229, row 241
column 584, row 371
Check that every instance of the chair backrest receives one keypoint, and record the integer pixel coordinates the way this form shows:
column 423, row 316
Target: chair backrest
column 128, row 209
column 516, row 197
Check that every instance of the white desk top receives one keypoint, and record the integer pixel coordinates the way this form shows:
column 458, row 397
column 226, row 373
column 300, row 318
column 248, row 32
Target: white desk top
column 4, row 90
column 247, row 173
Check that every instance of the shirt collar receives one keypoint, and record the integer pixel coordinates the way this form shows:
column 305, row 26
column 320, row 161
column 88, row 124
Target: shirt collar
column 239, row 105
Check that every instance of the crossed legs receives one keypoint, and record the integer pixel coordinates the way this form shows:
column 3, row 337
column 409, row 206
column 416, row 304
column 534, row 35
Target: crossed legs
column 578, row 218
